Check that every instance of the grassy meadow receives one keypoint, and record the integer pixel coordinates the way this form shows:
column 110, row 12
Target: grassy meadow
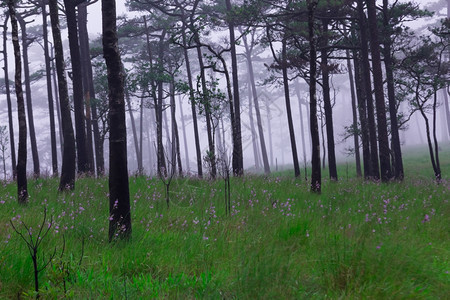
column 356, row 240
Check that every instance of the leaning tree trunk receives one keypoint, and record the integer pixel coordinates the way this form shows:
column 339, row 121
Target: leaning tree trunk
column 258, row 114
column 383, row 139
column 8, row 99
column 119, row 194
column 67, row 180
column 238, row 160
column 26, row 68
column 78, row 101
column 327, row 105
column 288, row 111
column 316, row 176
column 22, row 190
column 48, row 74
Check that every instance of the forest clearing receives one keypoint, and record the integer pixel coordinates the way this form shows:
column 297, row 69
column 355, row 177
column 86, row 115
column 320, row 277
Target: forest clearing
column 355, row 240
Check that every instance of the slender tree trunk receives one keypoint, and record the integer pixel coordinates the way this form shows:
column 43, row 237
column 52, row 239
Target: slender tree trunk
column 141, row 132
column 29, row 102
column 119, row 194
column 447, row 109
column 383, row 139
column 192, row 98
column 365, row 138
column 374, row 167
column 354, row 115
column 86, row 69
column 258, row 114
column 316, row 177
column 135, row 137
column 435, row 140
column 8, row 99
column 183, row 126
column 175, row 137
column 67, row 180
column 269, row 128
column 302, row 126
column 238, row 160
column 288, row 111
column 252, row 128
column 22, row 189
column 207, row 107
column 56, row 93
column 78, row 101
column 327, row 104
column 49, row 90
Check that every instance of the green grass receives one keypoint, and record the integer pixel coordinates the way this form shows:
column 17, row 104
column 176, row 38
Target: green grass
column 356, row 240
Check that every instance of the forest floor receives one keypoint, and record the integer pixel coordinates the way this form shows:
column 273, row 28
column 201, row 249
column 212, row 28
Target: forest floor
column 356, row 240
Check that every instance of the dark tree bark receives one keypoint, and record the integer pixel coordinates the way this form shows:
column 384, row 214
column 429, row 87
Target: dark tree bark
column 8, row 99
column 395, row 137
column 252, row 127
column 288, row 110
column 86, row 71
column 58, row 109
column 237, row 160
column 175, row 137
column 262, row 141
column 119, row 194
column 383, row 140
column 26, row 71
column 67, row 180
column 316, row 176
column 354, row 115
column 78, row 101
column 22, row 189
column 48, row 74
column 327, row 103
column 365, row 74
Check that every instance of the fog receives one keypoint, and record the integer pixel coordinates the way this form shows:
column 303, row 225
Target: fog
column 272, row 105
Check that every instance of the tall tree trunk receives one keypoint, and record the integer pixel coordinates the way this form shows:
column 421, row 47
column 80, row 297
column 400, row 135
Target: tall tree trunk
column 207, row 107
column 191, row 95
column 175, row 137
column 238, row 160
column 135, row 137
column 56, row 93
column 395, row 137
column 360, row 95
column 183, row 126
column 446, row 108
column 288, row 110
column 383, row 139
column 252, row 127
column 26, row 70
column 119, row 194
column 354, row 115
column 316, row 176
column 269, row 128
column 327, row 104
column 22, row 189
column 49, row 90
column 302, row 126
column 67, row 180
column 84, row 44
column 8, row 99
column 374, row 168
column 256, row 101
column 86, row 71
column 78, row 101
